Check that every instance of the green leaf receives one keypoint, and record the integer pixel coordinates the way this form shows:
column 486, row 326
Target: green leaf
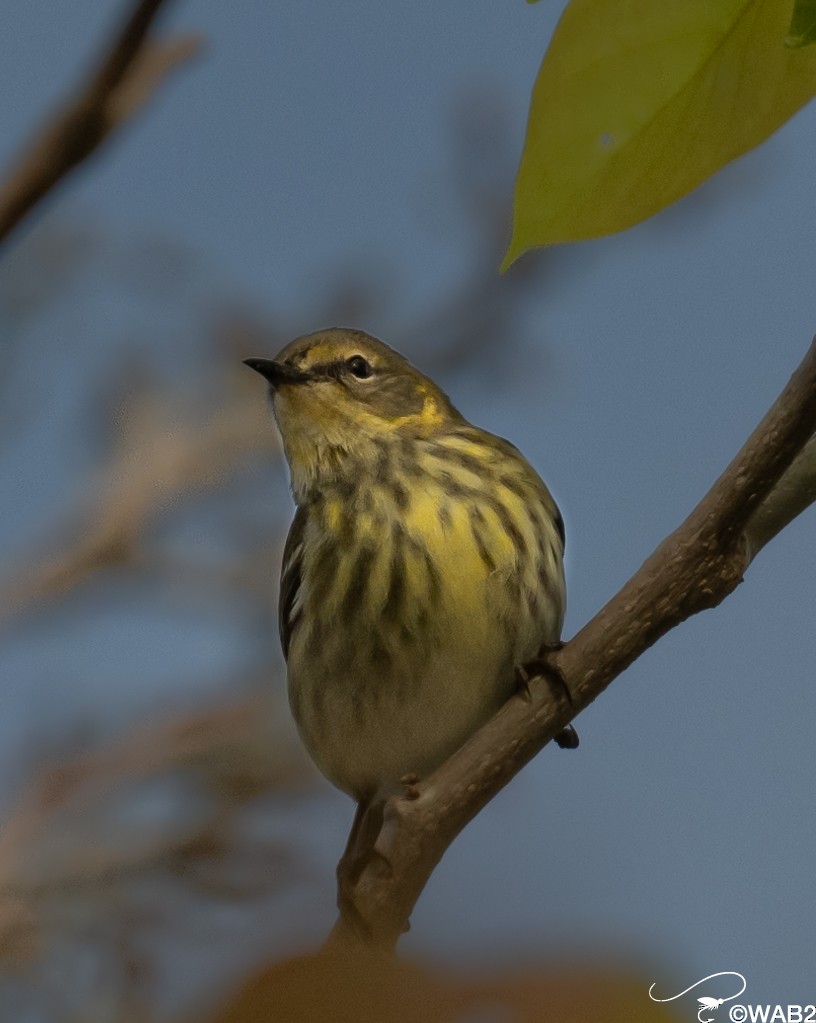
column 639, row 101
column 802, row 31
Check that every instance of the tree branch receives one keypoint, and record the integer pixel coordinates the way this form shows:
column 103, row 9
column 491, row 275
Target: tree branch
column 129, row 72
column 789, row 498
column 695, row 568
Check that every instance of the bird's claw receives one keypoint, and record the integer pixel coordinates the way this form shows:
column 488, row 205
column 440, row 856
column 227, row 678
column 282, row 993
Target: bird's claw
column 567, row 738
column 409, row 784
column 523, row 681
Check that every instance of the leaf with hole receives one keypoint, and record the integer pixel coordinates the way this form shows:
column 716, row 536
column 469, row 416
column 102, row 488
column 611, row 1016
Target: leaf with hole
column 637, row 102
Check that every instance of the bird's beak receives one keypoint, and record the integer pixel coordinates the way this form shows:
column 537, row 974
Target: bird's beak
column 278, row 373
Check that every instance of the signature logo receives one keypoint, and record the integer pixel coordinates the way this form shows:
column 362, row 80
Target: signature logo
column 706, row 1005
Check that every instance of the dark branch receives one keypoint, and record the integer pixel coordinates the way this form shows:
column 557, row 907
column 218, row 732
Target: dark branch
column 789, row 498
column 127, row 75
column 126, row 47
column 693, row 569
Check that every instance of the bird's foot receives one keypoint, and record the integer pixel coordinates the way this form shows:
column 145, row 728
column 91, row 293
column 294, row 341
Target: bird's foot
column 523, row 677
column 409, row 784
column 541, row 667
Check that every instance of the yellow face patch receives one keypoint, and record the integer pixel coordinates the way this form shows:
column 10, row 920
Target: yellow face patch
column 357, row 395
column 332, row 409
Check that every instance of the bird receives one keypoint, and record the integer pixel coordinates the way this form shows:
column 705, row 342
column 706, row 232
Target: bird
column 423, row 566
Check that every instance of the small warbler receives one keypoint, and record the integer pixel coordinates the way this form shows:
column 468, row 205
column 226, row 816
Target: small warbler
column 424, row 563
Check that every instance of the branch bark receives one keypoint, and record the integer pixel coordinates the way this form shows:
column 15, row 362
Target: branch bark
column 794, row 492
column 695, row 568
column 129, row 72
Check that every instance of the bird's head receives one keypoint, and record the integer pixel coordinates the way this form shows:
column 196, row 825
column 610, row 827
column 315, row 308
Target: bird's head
column 341, row 398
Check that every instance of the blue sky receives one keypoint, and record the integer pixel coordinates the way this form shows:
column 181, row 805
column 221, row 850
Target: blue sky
column 680, row 835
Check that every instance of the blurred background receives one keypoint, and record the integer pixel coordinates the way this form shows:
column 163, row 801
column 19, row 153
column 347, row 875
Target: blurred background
column 163, row 840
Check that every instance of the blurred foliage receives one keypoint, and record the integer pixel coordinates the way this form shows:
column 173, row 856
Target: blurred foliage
column 637, row 103
column 372, row 988
column 147, row 866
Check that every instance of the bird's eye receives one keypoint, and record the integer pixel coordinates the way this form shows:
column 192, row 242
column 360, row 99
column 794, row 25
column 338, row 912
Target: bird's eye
column 359, row 367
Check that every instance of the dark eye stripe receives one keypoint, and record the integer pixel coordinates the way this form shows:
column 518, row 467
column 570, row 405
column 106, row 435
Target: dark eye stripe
column 335, row 370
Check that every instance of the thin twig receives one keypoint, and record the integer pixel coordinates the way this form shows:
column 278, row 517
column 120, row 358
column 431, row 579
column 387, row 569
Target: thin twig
column 227, row 756
column 129, row 72
column 163, row 458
